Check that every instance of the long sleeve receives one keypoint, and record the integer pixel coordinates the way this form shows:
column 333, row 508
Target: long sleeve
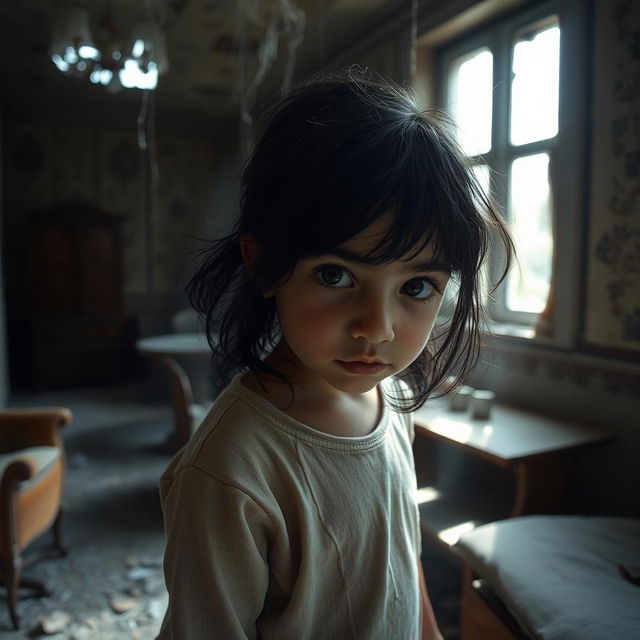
column 215, row 564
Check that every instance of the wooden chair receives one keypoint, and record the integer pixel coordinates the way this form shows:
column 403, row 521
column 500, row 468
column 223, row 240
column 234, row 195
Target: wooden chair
column 31, row 482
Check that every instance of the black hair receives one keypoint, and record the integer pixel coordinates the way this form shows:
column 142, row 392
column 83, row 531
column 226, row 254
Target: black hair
column 337, row 153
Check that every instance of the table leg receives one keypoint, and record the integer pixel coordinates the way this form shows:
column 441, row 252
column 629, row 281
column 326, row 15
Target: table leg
column 182, row 397
column 541, row 484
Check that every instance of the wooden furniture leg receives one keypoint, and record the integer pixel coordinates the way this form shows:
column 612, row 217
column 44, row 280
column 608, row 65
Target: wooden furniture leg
column 12, row 566
column 12, row 572
column 17, row 472
column 57, row 534
column 12, row 569
column 484, row 617
column 182, row 397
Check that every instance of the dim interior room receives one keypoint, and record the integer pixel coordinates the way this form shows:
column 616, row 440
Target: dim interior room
column 123, row 130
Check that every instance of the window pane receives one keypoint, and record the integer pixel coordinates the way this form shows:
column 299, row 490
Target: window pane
column 530, row 214
column 470, row 98
column 534, row 88
column 482, row 175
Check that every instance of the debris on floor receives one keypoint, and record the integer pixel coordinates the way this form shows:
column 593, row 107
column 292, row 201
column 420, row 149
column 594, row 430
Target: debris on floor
column 122, row 605
column 55, row 622
column 111, row 584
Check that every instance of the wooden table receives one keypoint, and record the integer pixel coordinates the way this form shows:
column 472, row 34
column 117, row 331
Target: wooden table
column 531, row 453
column 166, row 349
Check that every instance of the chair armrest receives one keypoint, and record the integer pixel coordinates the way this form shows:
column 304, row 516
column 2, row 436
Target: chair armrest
column 14, row 474
column 21, row 428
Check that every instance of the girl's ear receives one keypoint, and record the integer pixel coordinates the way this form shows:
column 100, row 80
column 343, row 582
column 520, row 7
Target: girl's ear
column 250, row 250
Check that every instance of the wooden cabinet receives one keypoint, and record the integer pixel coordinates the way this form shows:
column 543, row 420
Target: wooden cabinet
column 69, row 329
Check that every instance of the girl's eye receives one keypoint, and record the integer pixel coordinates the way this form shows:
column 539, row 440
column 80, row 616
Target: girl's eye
column 418, row 288
column 332, row 275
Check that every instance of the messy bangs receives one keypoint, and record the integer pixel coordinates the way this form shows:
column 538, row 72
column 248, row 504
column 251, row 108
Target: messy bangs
column 323, row 172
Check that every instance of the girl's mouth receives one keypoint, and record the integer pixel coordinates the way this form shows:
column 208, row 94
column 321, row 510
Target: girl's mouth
column 362, row 368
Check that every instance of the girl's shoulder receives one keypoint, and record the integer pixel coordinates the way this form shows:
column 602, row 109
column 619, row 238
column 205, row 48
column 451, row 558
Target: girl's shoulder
column 397, row 390
column 238, row 444
column 237, row 421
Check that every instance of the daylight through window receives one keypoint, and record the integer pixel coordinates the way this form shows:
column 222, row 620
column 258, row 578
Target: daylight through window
column 502, row 90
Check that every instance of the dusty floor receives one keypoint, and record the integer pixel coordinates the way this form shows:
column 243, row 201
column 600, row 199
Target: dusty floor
column 113, row 523
column 116, row 452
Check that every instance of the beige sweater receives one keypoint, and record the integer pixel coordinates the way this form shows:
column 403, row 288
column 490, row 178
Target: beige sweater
column 278, row 531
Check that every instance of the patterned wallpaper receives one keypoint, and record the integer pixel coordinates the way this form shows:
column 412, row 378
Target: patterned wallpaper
column 613, row 286
column 46, row 164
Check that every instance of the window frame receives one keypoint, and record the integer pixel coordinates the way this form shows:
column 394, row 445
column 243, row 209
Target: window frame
column 568, row 169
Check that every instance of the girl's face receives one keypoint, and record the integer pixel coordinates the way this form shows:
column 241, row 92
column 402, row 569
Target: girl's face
column 347, row 324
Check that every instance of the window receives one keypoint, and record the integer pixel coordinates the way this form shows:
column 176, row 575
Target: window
column 501, row 85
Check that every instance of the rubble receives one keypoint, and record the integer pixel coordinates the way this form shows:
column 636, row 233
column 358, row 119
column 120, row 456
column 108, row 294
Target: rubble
column 110, row 586
column 122, row 605
column 53, row 623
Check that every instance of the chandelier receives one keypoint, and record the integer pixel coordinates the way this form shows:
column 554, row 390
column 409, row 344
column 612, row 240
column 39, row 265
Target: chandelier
column 109, row 59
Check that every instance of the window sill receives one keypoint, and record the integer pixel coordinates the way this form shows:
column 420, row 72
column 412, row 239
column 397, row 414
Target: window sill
column 511, row 330
column 518, row 347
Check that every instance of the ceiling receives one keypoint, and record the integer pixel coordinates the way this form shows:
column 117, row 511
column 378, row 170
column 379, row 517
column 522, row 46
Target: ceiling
column 204, row 53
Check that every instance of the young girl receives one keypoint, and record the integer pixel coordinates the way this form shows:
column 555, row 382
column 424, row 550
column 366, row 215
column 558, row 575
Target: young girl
column 291, row 512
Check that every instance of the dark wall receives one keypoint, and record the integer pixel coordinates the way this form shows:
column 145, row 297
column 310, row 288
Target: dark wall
column 4, row 379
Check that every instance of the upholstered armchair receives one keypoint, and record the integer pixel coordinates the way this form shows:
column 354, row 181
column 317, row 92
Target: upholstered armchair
column 31, row 481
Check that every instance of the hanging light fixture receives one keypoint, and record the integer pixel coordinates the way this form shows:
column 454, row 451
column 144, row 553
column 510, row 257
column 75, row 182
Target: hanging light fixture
column 111, row 42
column 72, row 48
column 147, row 58
column 113, row 62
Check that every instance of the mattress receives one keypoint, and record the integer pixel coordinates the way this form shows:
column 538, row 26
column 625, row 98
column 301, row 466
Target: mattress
column 560, row 576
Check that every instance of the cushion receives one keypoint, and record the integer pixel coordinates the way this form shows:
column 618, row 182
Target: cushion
column 559, row 575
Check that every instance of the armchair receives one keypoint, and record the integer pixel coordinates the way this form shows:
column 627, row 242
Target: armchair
column 31, row 481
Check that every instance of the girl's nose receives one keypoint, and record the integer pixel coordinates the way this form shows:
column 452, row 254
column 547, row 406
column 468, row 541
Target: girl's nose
column 373, row 321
